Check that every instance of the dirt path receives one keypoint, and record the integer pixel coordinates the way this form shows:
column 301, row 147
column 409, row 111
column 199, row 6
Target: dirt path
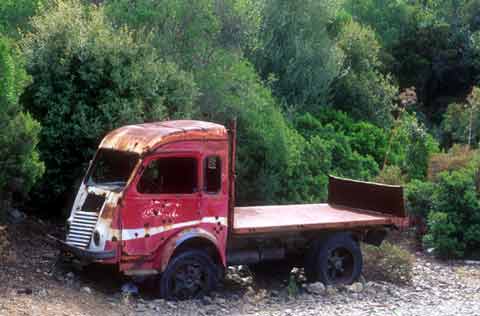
column 32, row 284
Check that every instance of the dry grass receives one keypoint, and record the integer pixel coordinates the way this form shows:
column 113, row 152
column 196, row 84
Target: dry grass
column 388, row 262
column 458, row 157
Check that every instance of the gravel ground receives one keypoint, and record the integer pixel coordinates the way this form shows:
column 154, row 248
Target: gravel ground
column 33, row 284
column 437, row 289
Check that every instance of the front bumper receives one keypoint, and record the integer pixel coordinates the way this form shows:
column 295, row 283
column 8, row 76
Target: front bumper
column 83, row 253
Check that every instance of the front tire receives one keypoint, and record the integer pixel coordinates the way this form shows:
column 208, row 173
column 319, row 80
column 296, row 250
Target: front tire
column 335, row 260
column 191, row 274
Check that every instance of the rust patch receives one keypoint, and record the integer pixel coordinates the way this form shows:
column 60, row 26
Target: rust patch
column 142, row 138
column 108, row 211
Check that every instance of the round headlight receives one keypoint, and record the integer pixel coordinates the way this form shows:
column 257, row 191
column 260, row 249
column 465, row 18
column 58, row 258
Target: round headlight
column 96, row 238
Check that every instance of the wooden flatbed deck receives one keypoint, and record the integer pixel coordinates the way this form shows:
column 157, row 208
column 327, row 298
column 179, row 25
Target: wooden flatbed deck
column 287, row 218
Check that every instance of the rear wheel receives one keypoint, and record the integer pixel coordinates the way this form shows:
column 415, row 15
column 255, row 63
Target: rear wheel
column 335, row 260
column 191, row 274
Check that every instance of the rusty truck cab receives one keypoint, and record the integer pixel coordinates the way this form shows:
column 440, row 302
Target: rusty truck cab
column 151, row 189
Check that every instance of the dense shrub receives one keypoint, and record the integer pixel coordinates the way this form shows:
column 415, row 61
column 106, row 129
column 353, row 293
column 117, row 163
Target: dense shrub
column 330, row 149
column 89, row 78
column 454, row 221
column 387, row 263
column 419, row 198
column 20, row 166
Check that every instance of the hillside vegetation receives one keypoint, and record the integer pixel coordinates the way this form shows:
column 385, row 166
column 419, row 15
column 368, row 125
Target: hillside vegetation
column 366, row 89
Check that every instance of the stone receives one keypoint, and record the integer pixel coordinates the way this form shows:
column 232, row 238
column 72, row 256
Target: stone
column 15, row 216
column 317, row 288
column 330, row 290
column 130, row 289
column 87, row 290
column 356, row 287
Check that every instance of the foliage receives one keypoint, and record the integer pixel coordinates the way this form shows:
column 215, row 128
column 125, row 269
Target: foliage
column 335, row 146
column 418, row 197
column 392, row 20
column 297, row 50
column 462, row 121
column 190, row 33
column 88, row 79
column 363, row 90
column 458, row 157
column 20, row 165
column 231, row 88
column 454, row 220
column 388, row 263
column 391, row 175
column 14, row 15
column 410, row 147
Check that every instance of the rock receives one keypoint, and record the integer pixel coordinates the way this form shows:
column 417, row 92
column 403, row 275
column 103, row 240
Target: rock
column 356, row 287
column 207, row 300
column 129, row 288
column 317, row 288
column 87, row 290
column 472, row 262
column 15, row 216
column 330, row 290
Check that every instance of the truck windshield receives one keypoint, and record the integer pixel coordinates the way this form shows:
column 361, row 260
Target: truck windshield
column 112, row 168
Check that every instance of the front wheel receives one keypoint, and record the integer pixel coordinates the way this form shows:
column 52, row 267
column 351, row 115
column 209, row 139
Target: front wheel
column 335, row 260
column 191, row 274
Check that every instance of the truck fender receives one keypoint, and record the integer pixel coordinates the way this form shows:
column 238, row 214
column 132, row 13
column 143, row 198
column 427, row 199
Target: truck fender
column 190, row 238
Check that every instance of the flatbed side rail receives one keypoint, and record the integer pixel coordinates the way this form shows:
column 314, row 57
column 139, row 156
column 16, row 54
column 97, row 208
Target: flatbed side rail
column 375, row 197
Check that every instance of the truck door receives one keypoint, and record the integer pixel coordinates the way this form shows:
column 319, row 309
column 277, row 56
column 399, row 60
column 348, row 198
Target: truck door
column 164, row 199
column 214, row 195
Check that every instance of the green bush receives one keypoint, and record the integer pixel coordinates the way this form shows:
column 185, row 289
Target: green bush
column 89, row 78
column 419, row 198
column 341, row 138
column 387, row 263
column 20, row 165
column 455, row 218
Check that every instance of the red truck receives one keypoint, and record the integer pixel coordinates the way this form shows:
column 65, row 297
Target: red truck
column 159, row 199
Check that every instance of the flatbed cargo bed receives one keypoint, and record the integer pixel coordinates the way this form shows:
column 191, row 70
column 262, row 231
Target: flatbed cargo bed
column 303, row 217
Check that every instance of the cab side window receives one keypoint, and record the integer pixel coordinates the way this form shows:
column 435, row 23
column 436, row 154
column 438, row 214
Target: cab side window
column 169, row 176
column 213, row 174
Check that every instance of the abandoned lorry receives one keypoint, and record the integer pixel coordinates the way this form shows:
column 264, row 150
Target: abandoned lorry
column 159, row 199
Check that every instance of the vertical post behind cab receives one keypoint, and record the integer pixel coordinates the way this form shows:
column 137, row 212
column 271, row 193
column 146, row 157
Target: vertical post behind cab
column 232, row 139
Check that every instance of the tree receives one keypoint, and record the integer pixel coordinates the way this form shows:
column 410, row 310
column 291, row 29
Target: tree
column 462, row 121
column 363, row 90
column 410, row 146
column 297, row 50
column 89, row 78
column 20, row 165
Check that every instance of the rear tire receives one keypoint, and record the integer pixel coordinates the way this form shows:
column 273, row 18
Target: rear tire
column 191, row 274
column 334, row 260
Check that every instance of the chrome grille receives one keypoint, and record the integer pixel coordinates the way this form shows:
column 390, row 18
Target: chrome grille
column 81, row 229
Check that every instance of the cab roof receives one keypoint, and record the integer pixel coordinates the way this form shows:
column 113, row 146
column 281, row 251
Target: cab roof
column 142, row 138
